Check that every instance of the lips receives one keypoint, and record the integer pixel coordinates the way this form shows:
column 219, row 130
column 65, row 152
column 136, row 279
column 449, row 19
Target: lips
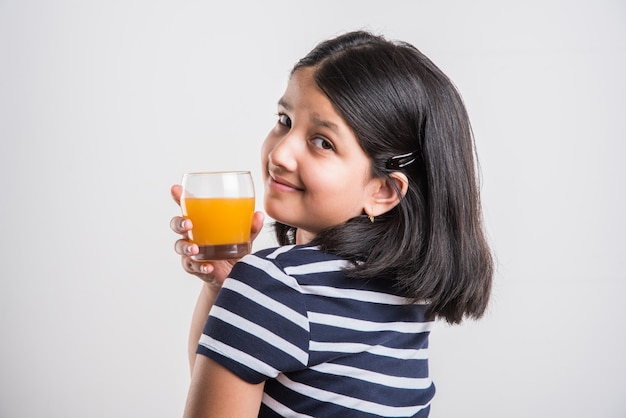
column 282, row 184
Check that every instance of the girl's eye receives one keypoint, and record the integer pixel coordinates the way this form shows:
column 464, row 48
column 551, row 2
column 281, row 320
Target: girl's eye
column 322, row 143
column 284, row 120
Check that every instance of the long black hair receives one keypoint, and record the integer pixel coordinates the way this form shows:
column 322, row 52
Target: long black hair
column 432, row 244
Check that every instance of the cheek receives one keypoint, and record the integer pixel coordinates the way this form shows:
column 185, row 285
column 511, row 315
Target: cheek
column 330, row 187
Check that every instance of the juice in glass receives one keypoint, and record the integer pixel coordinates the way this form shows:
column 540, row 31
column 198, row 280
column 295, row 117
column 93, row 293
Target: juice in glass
column 221, row 225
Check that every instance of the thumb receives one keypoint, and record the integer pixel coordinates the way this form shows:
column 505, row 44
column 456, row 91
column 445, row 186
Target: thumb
column 176, row 192
column 257, row 224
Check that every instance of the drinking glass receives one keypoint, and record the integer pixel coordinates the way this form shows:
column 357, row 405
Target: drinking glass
column 220, row 206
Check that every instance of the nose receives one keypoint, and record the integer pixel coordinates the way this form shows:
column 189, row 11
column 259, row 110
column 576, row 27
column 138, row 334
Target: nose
column 283, row 151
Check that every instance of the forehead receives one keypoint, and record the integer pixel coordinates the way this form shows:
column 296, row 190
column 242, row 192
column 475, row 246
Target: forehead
column 302, row 90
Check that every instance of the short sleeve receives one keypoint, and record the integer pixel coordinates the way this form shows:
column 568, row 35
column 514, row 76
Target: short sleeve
column 258, row 326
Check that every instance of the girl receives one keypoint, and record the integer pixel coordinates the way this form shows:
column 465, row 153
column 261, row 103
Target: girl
column 369, row 174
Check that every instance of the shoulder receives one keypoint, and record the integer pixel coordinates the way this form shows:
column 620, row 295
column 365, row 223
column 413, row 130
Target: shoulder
column 291, row 259
column 258, row 326
column 275, row 272
column 295, row 254
column 285, row 270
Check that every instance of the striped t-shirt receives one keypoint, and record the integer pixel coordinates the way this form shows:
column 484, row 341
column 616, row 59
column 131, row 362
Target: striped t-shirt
column 325, row 344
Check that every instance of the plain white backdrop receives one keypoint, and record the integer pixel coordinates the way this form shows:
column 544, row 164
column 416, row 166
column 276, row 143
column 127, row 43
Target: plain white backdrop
column 104, row 104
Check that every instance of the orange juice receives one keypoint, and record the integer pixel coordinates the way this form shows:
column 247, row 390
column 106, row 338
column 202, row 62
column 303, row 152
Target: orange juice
column 221, row 226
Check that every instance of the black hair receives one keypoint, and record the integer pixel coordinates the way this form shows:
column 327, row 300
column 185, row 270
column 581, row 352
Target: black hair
column 432, row 244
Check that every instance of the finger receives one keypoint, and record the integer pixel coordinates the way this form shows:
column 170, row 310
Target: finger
column 180, row 225
column 176, row 191
column 184, row 247
column 257, row 224
column 202, row 270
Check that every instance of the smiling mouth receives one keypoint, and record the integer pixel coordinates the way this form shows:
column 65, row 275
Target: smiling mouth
column 283, row 184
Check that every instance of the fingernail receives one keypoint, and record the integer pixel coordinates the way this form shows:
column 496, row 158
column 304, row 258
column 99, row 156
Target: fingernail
column 182, row 224
column 204, row 269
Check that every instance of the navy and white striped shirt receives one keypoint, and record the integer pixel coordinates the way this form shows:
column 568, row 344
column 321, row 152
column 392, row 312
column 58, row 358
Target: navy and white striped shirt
column 325, row 344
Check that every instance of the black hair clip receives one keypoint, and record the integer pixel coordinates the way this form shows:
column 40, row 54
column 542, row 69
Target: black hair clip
column 399, row 161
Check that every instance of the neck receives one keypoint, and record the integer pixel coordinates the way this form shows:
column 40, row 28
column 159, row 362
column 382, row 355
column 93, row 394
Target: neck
column 303, row 237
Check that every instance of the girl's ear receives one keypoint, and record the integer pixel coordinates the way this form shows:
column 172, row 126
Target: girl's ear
column 384, row 195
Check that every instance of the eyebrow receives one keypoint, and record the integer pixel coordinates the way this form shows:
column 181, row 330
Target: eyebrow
column 283, row 103
column 315, row 119
column 332, row 126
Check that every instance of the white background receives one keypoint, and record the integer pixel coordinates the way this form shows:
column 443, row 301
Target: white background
column 104, row 104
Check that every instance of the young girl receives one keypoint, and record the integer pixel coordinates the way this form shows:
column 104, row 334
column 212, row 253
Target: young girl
column 369, row 174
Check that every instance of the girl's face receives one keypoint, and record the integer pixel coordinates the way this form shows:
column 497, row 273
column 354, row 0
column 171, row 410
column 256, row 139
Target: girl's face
column 315, row 173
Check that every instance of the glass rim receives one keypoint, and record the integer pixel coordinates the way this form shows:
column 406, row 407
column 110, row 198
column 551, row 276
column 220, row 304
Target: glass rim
column 201, row 173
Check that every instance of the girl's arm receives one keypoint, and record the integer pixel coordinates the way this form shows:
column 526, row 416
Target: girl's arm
column 217, row 392
column 216, row 273
column 206, row 298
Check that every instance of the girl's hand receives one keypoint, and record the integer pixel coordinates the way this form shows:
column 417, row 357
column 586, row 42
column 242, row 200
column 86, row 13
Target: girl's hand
column 214, row 272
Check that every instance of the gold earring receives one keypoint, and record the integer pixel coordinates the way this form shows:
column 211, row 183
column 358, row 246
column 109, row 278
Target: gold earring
column 371, row 218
